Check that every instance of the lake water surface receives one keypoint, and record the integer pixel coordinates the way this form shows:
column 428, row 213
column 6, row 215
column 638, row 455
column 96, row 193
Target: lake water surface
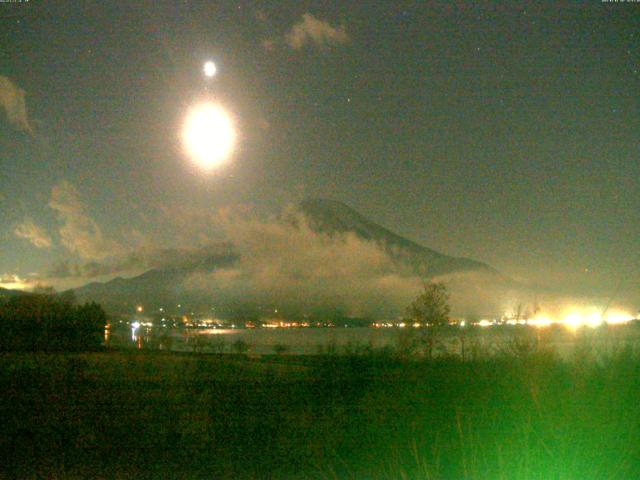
column 309, row 341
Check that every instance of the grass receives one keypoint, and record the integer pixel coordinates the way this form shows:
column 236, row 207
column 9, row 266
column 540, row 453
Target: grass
column 521, row 414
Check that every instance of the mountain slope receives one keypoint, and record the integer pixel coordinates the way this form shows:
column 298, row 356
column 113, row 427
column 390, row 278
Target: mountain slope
column 329, row 216
column 157, row 286
column 6, row 293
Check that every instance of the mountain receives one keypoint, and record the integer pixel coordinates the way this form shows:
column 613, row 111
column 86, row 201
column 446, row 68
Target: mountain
column 164, row 286
column 330, row 216
column 6, row 293
column 158, row 286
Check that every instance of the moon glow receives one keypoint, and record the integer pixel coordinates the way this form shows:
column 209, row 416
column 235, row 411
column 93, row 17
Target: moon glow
column 209, row 135
column 210, row 69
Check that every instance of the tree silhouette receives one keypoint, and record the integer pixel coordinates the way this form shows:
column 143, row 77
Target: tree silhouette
column 429, row 311
column 431, row 307
column 49, row 322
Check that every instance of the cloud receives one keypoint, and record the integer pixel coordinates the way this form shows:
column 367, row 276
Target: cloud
column 84, row 270
column 13, row 282
column 252, row 260
column 182, row 238
column 311, row 30
column 145, row 258
column 482, row 294
column 12, row 100
column 289, row 264
column 280, row 261
column 79, row 233
column 35, row 234
column 232, row 256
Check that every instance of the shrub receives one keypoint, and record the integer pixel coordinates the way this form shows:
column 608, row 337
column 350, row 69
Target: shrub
column 240, row 346
column 280, row 349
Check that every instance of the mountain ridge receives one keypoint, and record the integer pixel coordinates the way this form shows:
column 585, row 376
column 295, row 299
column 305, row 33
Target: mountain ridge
column 331, row 216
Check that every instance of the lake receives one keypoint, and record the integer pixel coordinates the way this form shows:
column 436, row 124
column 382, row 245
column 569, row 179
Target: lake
column 308, row 341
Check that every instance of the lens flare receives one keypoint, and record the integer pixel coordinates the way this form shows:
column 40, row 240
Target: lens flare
column 209, row 135
column 594, row 317
column 540, row 322
column 573, row 318
column 617, row 317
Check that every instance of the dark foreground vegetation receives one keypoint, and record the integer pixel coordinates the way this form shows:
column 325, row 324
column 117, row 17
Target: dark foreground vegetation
column 48, row 322
column 163, row 415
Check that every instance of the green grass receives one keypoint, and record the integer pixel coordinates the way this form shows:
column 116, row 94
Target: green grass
column 153, row 415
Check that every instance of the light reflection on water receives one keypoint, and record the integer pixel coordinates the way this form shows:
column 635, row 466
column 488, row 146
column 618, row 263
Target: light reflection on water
column 305, row 341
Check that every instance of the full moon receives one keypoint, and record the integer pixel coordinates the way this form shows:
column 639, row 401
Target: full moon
column 210, row 69
column 209, row 135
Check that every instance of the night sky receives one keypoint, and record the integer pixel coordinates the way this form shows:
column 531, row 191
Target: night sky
column 508, row 133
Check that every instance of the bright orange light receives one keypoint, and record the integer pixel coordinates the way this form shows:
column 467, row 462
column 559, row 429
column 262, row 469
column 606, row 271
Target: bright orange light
column 616, row 317
column 540, row 322
column 593, row 317
column 574, row 318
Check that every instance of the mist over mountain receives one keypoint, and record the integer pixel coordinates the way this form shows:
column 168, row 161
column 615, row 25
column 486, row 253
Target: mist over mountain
column 321, row 256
